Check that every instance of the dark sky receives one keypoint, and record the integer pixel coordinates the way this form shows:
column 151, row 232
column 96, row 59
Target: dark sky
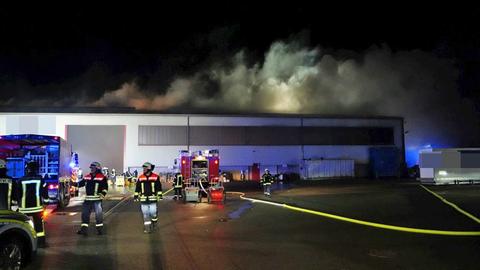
column 51, row 44
column 420, row 62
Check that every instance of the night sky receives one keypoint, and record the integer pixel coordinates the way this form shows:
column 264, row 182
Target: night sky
column 395, row 60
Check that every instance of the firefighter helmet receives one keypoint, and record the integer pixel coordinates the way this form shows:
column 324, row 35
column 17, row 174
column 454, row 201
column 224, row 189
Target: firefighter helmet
column 148, row 165
column 96, row 165
column 267, row 170
column 3, row 164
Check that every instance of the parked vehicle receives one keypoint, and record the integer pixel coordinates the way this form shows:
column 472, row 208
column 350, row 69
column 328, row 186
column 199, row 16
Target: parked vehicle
column 18, row 240
column 53, row 157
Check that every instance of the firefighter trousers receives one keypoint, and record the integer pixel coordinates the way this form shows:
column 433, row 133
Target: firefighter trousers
column 149, row 211
column 38, row 225
column 86, row 210
column 266, row 188
column 178, row 191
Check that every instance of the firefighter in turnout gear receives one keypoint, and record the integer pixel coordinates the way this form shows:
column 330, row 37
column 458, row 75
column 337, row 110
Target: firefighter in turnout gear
column 31, row 194
column 267, row 180
column 96, row 187
column 177, row 186
column 148, row 191
column 7, row 188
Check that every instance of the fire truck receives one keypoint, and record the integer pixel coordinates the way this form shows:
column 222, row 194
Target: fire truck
column 52, row 155
column 200, row 171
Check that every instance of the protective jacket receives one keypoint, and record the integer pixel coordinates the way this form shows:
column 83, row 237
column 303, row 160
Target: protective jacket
column 178, row 182
column 31, row 193
column 7, row 194
column 267, row 179
column 96, row 186
column 148, row 188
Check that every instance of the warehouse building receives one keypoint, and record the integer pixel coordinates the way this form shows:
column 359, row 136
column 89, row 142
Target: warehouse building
column 310, row 146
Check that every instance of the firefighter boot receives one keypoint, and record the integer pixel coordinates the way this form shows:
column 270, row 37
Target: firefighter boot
column 147, row 228
column 154, row 225
column 83, row 231
column 100, row 230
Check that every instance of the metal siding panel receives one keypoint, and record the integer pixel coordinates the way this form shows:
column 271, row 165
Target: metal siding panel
column 347, row 136
column 202, row 135
column 330, row 168
column 430, row 160
column 243, row 121
column 216, row 135
column 162, row 135
column 470, row 160
column 272, row 136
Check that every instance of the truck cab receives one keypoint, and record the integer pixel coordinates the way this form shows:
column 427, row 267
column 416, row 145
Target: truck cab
column 200, row 171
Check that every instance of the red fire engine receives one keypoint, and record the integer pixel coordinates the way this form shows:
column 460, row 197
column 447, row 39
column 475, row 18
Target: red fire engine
column 200, row 171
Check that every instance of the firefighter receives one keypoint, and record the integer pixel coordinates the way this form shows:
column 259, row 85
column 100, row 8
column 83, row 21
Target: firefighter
column 267, row 180
column 80, row 174
column 7, row 188
column 148, row 191
column 177, row 186
column 96, row 187
column 32, row 194
column 113, row 176
column 128, row 176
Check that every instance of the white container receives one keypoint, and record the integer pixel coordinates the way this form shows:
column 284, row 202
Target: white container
column 329, row 168
column 120, row 181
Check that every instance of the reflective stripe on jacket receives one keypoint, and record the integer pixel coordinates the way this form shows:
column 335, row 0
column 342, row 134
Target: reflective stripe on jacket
column 178, row 181
column 31, row 192
column 267, row 179
column 6, row 190
column 96, row 186
column 148, row 188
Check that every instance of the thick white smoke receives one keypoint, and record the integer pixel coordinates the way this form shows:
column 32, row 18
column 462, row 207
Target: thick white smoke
column 415, row 85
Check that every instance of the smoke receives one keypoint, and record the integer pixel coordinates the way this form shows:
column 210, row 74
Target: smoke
column 292, row 78
column 415, row 85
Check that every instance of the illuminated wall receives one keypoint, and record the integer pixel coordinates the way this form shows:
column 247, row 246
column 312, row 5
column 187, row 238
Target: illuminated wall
column 136, row 151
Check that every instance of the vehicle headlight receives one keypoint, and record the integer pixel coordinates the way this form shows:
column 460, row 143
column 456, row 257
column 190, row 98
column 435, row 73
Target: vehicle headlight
column 31, row 223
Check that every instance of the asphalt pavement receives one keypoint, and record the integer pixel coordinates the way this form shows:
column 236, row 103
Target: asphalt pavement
column 252, row 235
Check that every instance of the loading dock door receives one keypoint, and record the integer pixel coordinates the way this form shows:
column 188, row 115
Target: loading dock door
column 104, row 144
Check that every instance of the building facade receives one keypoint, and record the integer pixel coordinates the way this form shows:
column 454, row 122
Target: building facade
column 282, row 143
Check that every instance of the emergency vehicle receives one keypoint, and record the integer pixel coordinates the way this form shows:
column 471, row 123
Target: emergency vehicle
column 52, row 155
column 200, row 171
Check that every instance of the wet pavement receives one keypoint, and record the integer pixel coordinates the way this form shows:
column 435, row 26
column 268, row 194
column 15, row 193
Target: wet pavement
column 246, row 235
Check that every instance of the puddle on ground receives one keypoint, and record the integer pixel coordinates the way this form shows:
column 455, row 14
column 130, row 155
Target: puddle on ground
column 237, row 213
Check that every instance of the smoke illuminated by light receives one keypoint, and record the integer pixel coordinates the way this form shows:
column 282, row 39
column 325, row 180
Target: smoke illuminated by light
column 290, row 78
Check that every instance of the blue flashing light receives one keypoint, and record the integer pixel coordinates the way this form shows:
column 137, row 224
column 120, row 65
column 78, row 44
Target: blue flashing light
column 411, row 156
column 412, row 153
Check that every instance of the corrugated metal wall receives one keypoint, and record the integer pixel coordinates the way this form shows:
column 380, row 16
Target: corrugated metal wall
column 272, row 136
column 264, row 135
column 162, row 135
column 330, row 168
column 200, row 135
column 347, row 136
